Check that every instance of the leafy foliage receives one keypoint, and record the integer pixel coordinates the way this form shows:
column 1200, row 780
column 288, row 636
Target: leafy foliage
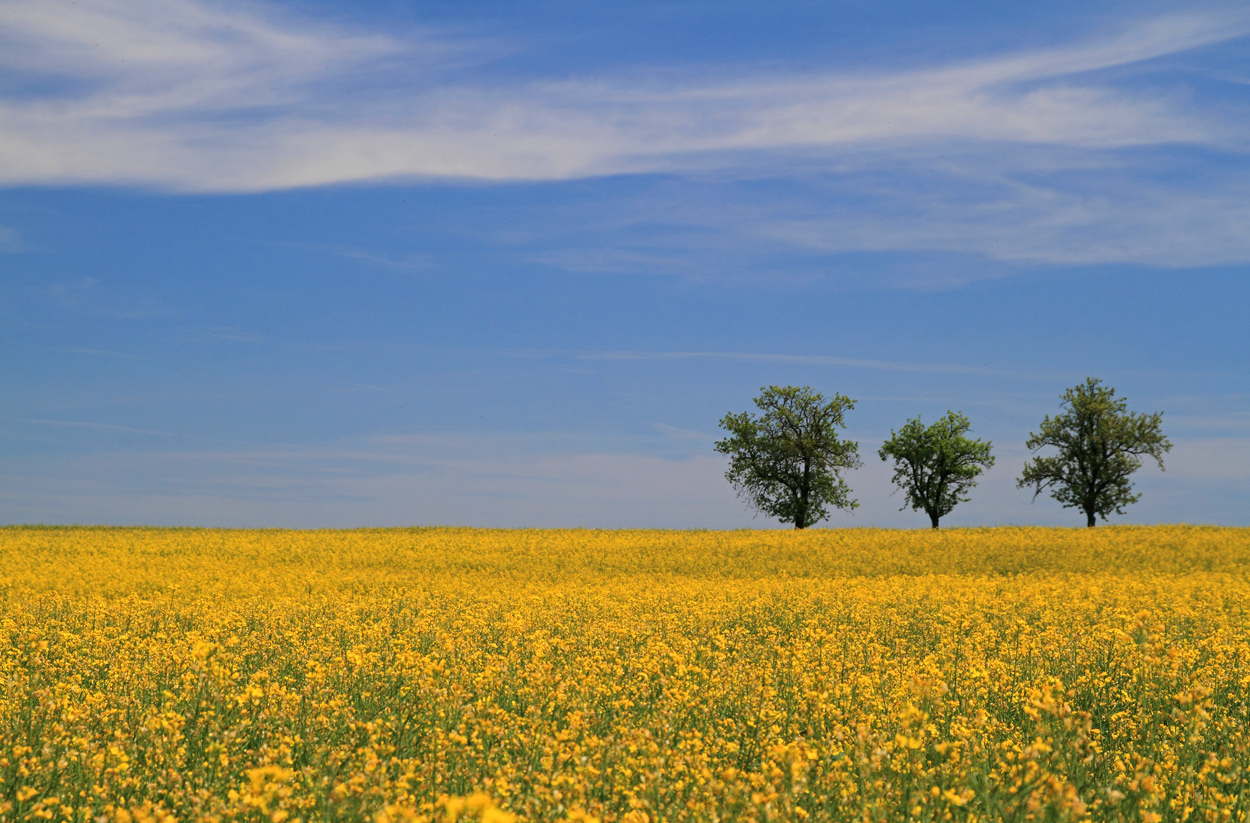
column 1100, row 445
column 786, row 462
column 936, row 465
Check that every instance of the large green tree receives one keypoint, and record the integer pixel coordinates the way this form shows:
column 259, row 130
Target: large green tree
column 936, row 465
column 786, row 462
column 1100, row 444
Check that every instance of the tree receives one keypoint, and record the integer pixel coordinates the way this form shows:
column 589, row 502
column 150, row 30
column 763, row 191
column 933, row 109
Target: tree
column 1100, row 444
column 935, row 466
column 786, row 462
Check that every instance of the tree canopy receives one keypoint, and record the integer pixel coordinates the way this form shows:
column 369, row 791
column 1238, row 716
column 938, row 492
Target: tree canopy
column 935, row 466
column 786, row 461
column 1100, row 444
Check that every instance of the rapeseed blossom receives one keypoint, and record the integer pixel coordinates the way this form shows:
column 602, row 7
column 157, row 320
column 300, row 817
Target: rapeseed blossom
column 625, row 677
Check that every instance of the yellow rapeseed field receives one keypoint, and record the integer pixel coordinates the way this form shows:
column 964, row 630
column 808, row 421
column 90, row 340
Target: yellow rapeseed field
column 455, row 674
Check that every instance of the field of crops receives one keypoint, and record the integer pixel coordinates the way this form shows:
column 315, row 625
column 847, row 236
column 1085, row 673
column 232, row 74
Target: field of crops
column 453, row 674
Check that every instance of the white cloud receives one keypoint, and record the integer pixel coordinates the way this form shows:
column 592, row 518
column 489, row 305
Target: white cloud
column 1103, row 219
column 124, row 59
column 1158, row 207
column 191, row 95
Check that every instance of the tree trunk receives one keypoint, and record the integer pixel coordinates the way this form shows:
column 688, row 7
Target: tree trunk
column 933, row 518
column 1089, row 519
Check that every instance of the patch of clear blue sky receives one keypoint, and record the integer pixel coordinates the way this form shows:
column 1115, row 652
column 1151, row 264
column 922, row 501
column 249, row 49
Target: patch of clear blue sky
column 556, row 351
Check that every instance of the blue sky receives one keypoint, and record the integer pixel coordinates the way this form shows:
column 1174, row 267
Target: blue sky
column 507, row 264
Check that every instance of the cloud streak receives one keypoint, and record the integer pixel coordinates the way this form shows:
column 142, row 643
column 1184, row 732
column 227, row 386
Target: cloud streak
column 795, row 359
column 1110, row 216
column 187, row 95
column 110, row 428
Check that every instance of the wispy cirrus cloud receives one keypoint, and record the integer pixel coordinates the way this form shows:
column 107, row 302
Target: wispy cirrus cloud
column 1116, row 214
column 109, row 428
column 956, row 219
column 191, row 95
column 794, row 359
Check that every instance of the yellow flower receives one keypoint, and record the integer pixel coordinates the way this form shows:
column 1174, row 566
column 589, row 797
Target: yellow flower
column 637, row 676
